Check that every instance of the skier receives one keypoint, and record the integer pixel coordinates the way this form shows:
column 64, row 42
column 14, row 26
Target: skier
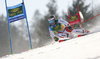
column 62, row 28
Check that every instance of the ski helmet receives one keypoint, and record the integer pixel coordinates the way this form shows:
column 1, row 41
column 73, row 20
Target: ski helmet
column 51, row 19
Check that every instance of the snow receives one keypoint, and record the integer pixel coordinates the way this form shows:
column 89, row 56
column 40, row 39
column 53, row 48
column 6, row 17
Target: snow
column 86, row 47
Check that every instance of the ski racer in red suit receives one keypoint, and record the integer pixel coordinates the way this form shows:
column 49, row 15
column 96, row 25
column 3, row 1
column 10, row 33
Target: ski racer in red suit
column 62, row 28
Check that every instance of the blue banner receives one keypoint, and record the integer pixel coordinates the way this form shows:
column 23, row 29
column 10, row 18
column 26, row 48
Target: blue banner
column 16, row 13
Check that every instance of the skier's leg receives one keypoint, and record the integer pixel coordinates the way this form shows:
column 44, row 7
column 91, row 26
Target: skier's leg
column 86, row 31
column 69, row 30
column 80, row 31
column 63, row 35
column 77, row 30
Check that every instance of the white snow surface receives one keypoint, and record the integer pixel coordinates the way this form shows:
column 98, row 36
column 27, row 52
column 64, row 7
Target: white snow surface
column 86, row 47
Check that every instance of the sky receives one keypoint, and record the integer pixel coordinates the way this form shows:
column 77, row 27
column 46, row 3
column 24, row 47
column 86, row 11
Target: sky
column 33, row 5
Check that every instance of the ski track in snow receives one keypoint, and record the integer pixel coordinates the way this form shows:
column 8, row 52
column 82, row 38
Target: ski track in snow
column 86, row 47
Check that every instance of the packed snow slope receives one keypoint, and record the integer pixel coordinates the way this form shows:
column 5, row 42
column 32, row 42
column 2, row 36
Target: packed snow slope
column 86, row 47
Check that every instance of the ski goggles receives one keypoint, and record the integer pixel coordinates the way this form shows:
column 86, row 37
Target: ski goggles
column 51, row 16
column 51, row 21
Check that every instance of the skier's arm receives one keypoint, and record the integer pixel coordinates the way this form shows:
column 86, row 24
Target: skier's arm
column 52, row 34
column 63, row 22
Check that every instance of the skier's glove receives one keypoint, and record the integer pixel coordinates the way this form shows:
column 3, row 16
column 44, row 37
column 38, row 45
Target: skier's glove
column 69, row 27
column 56, row 39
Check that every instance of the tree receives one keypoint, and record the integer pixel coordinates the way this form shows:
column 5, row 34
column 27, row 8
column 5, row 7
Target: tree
column 96, row 11
column 4, row 36
column 41, row 28
column 4, row 41
column 18, row 43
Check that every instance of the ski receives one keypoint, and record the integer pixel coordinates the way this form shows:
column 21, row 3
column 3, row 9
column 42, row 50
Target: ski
column 63, row 40
column 82, row 35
